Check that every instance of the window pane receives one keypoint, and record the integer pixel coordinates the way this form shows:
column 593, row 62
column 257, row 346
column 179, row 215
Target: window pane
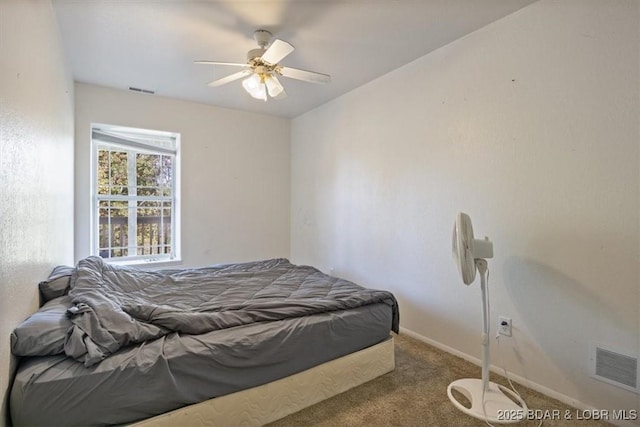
column 118, row 179
column 119, row 208
column 149, row 229
column 119, row 190
column 154, row 175
column 148, row 169
column 113, row 228
column 166, row 225
column 166, row 176
column 103, row 228
column 119, row 228
column 103, row 171
column 148, row 191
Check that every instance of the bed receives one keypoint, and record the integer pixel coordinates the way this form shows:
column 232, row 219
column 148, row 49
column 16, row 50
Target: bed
column 233, row 344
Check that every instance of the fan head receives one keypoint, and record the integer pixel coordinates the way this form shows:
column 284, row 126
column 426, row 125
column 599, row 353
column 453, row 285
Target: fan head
column 466, row 249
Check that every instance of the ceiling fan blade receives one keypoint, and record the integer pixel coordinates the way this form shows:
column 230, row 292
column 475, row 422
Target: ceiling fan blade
column 232, row 64
column 277, row 51
column 230, row 78
column 307, row 76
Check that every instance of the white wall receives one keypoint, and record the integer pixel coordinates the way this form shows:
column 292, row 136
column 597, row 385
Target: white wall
column 36, row 163
column 235, row 172
column 530, row 125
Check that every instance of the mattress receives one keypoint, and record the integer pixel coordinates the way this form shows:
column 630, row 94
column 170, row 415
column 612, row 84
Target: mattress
column 177, row 370
column 263, row 404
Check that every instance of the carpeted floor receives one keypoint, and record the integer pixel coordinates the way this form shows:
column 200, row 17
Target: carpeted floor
column 415, row 394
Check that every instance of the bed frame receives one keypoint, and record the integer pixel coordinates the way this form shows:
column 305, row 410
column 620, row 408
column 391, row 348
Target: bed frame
column 269, row 402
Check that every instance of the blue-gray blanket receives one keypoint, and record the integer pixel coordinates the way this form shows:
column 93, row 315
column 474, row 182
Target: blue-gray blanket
column 116, row 306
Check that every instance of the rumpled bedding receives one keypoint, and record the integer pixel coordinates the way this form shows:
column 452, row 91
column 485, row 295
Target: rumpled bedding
column 115, row 306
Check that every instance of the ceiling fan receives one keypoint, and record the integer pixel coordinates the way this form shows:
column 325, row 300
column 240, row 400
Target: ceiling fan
column 263, row 67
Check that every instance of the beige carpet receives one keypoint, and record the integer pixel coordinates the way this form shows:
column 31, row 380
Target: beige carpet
column 415, row 394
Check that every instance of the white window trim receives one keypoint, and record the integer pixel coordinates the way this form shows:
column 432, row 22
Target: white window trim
column 155, row 260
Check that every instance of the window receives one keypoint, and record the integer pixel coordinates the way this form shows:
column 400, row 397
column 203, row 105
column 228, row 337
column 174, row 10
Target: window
column 135, row 194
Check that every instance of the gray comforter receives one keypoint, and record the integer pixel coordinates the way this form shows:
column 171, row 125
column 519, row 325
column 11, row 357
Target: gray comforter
column 117, row 306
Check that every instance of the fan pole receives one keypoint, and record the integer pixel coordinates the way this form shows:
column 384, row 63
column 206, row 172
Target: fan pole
column 481, row 264
column 489, row 401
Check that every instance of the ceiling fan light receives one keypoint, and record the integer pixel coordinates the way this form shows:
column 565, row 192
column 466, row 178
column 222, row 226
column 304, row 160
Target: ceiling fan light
column 273, row 86
column 251, row 83
column 255, row 87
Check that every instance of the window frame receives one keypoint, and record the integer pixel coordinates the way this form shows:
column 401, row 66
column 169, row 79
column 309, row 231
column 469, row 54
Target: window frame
column 132, row 148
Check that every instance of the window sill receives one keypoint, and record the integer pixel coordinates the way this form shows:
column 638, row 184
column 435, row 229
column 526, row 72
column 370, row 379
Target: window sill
column 146, row 262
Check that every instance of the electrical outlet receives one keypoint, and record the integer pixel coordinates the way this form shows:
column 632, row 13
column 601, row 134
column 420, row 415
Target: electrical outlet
column 504, row 326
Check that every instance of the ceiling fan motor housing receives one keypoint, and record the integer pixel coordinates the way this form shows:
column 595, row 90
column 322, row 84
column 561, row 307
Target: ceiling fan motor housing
column 255, row 53
column 262, row 37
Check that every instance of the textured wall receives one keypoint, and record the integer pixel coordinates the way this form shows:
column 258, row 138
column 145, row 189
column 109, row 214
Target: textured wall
column 235, row 172
column 531, row 126
column 36, row 162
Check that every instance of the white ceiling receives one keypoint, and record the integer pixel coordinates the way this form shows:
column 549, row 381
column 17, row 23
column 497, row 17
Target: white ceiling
column 151, row 44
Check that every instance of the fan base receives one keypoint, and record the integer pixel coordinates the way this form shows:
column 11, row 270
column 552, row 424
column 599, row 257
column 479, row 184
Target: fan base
column 498, row 406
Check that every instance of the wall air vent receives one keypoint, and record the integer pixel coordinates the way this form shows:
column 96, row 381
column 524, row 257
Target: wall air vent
column 614, row 367
column 137, row 89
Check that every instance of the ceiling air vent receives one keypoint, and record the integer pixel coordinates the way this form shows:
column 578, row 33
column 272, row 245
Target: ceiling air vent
column 614, row 367
column 137, row 89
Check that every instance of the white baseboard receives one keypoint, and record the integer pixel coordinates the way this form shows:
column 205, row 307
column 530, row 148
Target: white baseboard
column 517, row 378
column 514, row 377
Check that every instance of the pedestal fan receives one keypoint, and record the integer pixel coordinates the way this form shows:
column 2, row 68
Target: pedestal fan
column 489, row 401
